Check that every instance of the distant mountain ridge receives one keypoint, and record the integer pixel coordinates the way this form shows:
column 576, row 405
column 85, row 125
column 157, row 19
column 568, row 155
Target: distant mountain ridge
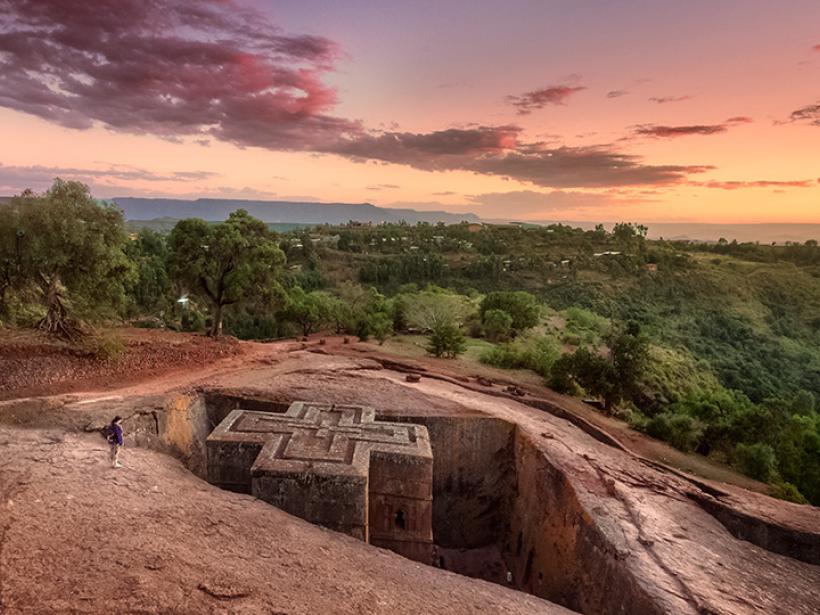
column 139, row 208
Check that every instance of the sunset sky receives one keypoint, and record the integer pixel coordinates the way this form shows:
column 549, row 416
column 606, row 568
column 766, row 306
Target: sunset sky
column 645, row 110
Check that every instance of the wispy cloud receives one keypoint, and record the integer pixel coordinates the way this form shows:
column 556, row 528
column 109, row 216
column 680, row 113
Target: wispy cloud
column 538, row 99
column 662, row 100
column 760, row 183
column 39, row 176
column 672, row 132
column 810, row 114
column 616, row 93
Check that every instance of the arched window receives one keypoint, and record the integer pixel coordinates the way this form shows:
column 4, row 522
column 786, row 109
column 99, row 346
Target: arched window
column 400, row 519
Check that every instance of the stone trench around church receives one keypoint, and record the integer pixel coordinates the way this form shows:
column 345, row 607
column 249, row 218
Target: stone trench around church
column 488, row 506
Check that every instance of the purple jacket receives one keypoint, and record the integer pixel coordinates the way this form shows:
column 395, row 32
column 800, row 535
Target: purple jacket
column 116, row 434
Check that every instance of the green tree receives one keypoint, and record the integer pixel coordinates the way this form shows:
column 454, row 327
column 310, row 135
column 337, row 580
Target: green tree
column 380, row 324
column 151, row 287
column 446, row 340
column 520, row 305
column 630, row 359
column 497, row 324
column 597, row 375
column 10, row 245
column 70, row 250
column 436, row 306
column 758, row 460
column 309, row 310
column 224, row 263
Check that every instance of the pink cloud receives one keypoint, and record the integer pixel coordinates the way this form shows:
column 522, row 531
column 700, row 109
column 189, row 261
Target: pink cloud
column 761, row 183
column 672, row 132
column 809, row 114
column 538, row 99
column 662, row 100
column 169, row 68
column 497, row 150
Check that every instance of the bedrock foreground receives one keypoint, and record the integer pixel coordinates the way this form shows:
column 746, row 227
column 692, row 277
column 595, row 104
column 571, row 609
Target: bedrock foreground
column 531, row 513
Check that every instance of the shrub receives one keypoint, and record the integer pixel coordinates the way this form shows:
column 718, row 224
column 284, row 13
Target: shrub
column 103, row 346
column 537, row 354
column 756, row 460
column 502, row 356
column 446, row 340
column 381, row 325
column 497, row 324
column 585, row 325
column 679, row 430
column 788, row 492
column 192, row 321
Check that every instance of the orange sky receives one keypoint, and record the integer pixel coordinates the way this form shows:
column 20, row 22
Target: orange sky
column 538, row 111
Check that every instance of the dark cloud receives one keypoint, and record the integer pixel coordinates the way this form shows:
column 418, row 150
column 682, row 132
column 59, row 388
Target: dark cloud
column 167, row 67
column 433, row 151
column 538, row 99
column 809, row 114
column 616, row 93
column 495, row 150
column 672, row 132
column 581, row 167
column 662, row 100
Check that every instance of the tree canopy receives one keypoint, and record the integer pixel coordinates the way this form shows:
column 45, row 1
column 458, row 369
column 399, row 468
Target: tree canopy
column 68, row 249
column 224, row 263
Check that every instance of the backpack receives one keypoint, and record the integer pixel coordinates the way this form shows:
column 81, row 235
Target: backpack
column 108, row 433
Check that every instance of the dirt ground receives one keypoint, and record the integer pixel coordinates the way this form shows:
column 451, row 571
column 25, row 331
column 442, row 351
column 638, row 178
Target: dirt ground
column 33, row 364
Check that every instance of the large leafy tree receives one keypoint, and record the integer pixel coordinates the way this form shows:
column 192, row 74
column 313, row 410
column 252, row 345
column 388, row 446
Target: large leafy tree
column 151, row 287
column 310, row 310
column 520, row 305
column 69, row 248
column 224, row 263
column 10, row 240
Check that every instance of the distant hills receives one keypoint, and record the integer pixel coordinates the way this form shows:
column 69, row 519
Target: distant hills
column 279, row 212
column 161, row 214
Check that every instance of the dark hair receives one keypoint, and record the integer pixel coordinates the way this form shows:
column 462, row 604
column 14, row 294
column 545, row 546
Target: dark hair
column 117, row 418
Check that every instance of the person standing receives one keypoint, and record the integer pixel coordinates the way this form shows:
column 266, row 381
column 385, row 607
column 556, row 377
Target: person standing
column 113, row 433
